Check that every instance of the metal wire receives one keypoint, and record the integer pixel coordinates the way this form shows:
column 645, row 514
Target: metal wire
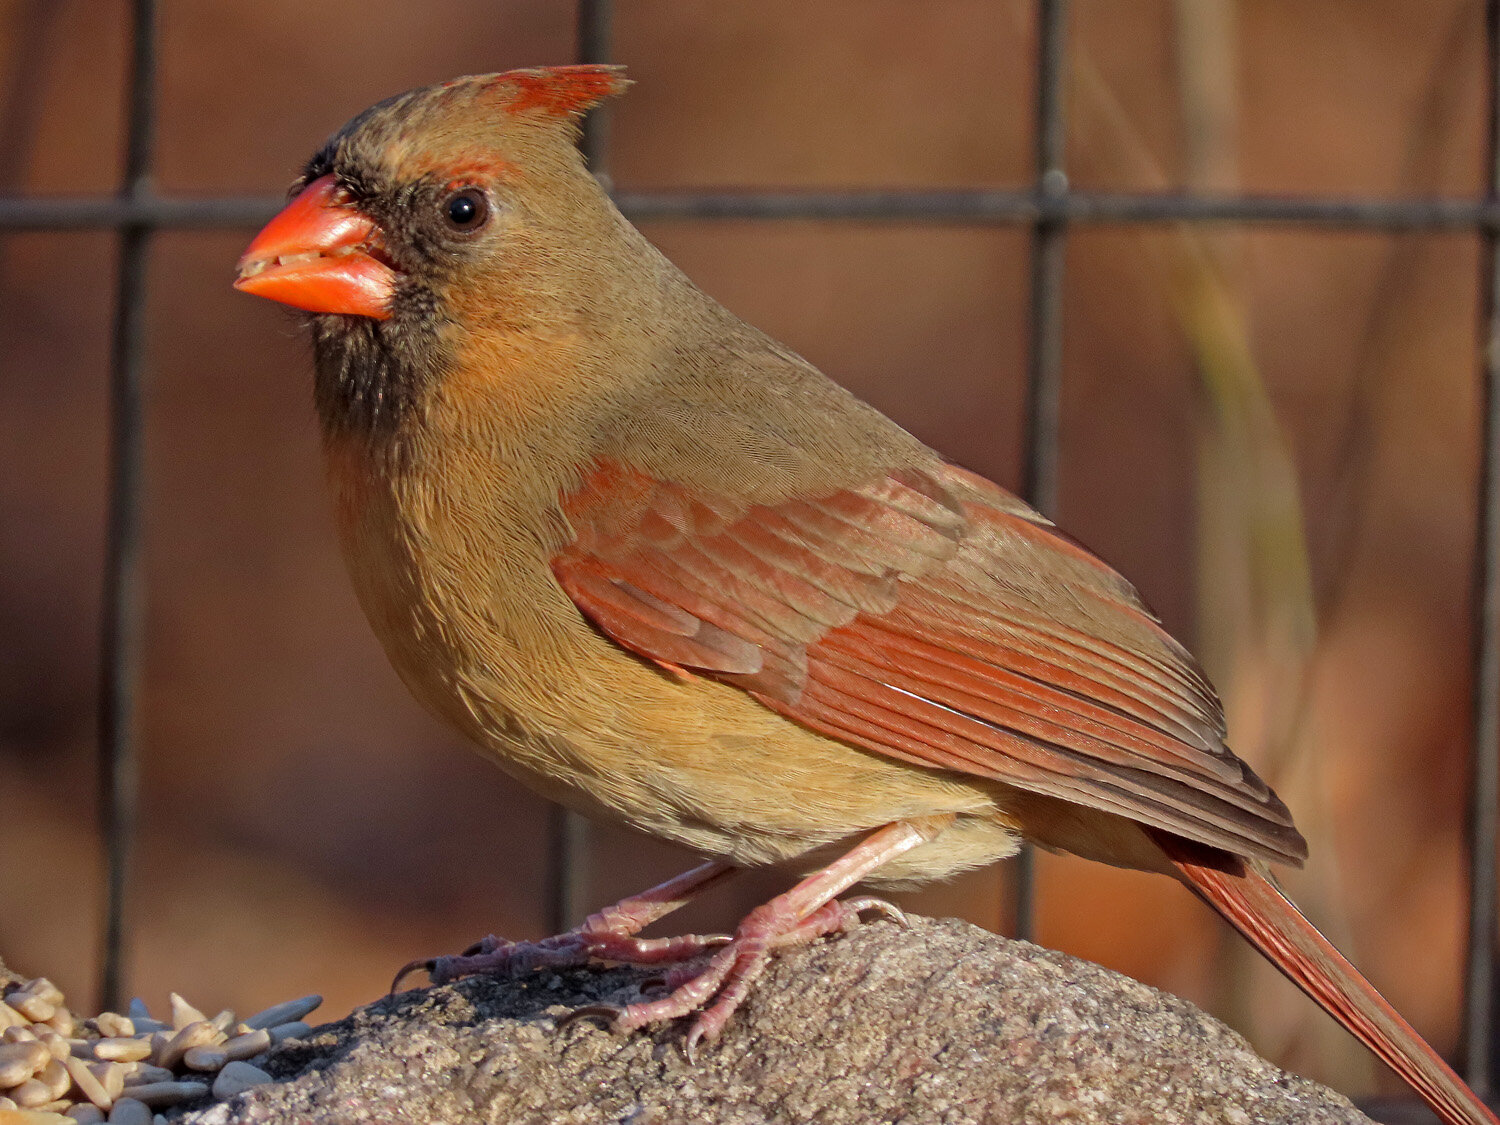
column 569, row 835
column 595, row 28
column 984, row 207
column 1048, row 208
column 1044, row 338
column 1484, row 770
column 121, row 640
column 968, row 207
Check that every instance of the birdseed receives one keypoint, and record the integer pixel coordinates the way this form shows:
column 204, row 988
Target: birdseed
column 121, row 1048
column 198, row 1033
column 88, row 1084
column 128, row 1111
column 237, row 1076
column 184, row 1013
column 289, row 1012
column 204, row 1058
column 294, row 1030
column 160, row 1094
column 118, row 1068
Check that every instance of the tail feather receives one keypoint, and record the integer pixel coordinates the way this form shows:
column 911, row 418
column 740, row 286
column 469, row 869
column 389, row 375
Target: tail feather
column 1253, row 905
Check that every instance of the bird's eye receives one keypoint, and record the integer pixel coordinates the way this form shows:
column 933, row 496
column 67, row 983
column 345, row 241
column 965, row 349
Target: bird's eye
column 466, row 211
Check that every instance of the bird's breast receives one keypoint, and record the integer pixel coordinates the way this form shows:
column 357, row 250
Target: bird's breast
column 453, row 590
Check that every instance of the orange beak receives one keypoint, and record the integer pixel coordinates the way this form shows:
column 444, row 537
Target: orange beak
column 317, row 255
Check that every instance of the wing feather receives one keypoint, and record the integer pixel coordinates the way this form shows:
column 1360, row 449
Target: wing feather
column 931, row 617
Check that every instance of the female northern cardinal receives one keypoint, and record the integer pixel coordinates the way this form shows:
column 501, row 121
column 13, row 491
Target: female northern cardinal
column 666, row 572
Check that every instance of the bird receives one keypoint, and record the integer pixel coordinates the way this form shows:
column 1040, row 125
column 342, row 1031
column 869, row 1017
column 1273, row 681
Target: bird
column 664, row 571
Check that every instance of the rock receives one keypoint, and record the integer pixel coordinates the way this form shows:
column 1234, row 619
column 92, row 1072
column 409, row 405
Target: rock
column 941, row 1022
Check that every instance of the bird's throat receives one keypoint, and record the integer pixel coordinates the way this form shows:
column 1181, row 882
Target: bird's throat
column 373, row 376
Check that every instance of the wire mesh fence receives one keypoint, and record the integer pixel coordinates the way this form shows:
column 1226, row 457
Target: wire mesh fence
column 1048, row 210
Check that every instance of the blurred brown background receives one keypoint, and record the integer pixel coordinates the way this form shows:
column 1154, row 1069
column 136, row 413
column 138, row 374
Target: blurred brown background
column 307, row 828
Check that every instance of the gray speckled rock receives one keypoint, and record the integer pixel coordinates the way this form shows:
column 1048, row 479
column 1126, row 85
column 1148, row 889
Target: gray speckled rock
column 941, row 1022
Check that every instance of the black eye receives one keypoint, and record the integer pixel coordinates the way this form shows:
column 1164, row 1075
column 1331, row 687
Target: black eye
column 466, row 211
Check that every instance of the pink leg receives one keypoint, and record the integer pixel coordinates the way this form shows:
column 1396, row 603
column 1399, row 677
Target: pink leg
column 608, row 935
column 802, row 914
column 632, row 915
column 837, row 916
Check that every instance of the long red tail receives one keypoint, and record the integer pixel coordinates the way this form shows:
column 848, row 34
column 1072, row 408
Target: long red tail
column 1273, row 924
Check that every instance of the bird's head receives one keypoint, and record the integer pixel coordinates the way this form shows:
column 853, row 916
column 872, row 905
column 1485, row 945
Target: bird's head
column 424, row 213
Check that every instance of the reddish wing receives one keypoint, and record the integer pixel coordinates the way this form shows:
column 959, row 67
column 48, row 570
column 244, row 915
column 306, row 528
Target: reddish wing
column 931, row 617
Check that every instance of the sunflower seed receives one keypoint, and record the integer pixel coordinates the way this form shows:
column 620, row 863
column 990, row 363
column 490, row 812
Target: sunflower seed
column 19, row 1061
column 56, row 1078
column 31, row 1006
column 39, row 988
column 122, row 1049
column 32, row 1094
column 112, row 1025
column 63, row 1021
column 88, row 1085
column 286, row 1012
column 56, row 1045
column 128, row 1111
column 160, row 1094
column 204, row 1058
column 184, row 1013
column 237, row 1077
column 248, row 1045
column 111, row 1076
column 199, row 1033
column 140, row 1073
column 294, row 1030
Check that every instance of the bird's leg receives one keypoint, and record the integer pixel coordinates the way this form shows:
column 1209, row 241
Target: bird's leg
column 835, row 916
column 608, row 935
column 632, row 915
column 803, row 913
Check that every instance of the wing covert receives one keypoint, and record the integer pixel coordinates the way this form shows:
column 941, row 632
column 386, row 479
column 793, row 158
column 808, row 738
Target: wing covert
column 932, row 617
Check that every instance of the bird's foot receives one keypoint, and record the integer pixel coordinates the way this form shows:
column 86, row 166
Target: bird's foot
column 582, row 946
column 608, row 935
column 716, row 989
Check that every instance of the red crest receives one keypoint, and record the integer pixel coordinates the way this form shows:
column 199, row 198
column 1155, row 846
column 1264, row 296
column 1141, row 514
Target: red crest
column 562, row 91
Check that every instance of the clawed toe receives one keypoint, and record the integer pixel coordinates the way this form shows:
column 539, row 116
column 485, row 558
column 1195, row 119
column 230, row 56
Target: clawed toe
column 858, row 907
column 696, row 1034
column 710, row 990
column 608, row 1016
column 578, row 947
column 426, row 965
column 488, row 955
